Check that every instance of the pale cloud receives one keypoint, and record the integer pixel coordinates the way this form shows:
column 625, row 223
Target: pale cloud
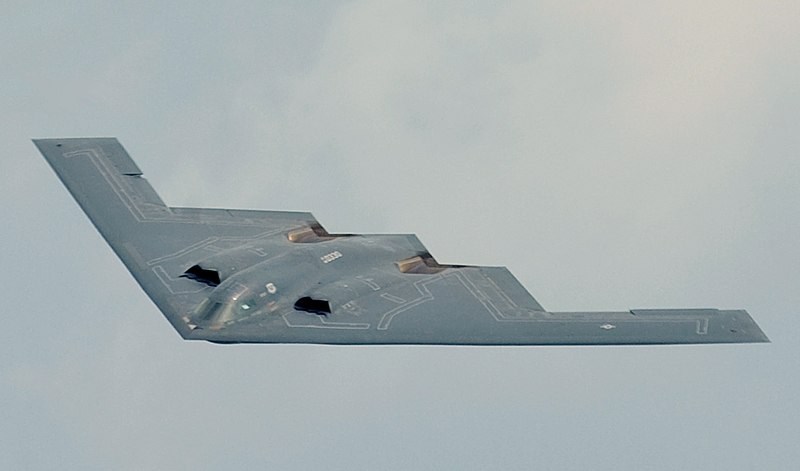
column 612, row 154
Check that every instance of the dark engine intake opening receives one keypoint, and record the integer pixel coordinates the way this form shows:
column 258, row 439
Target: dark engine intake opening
column 198, row 273
column 316, row 306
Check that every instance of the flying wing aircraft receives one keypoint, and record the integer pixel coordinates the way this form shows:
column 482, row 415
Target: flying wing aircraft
column 236, row 276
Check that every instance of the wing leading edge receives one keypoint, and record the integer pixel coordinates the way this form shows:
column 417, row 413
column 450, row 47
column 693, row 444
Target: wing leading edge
column 154, row 241
column 405, row 299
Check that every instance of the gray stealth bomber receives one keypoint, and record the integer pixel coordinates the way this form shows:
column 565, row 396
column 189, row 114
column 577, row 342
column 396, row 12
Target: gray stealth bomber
column 231, row 276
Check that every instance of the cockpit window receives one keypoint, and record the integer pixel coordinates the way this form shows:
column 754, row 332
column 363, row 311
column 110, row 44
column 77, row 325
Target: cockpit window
column 208, row 310
column 227, row 305
column 211, row 312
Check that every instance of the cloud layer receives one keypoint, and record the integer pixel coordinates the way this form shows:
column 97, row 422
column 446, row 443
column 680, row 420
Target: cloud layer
column 612, row 154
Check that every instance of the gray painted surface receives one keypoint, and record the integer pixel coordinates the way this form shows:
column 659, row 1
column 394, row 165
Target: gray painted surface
column 654, row 143
column 255, row 268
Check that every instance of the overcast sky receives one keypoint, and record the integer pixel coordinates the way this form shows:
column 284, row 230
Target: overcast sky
column 611, row 154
